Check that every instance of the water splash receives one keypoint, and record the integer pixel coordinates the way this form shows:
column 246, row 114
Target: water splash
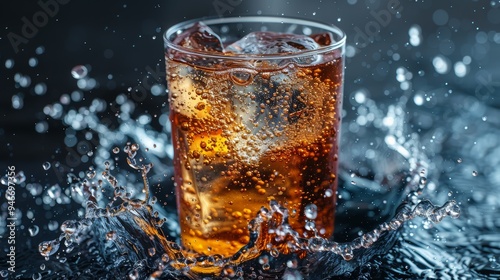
column 129, row 226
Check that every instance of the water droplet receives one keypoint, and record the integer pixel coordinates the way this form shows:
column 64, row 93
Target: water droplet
column 153, row 200
column 229, row 271
column 69, row 227
column 48, row 248
column 441, row 64
column 459, row 160
column 274, row 252
column 423, row 180
column 9, row 63
column 46, row 165
column 311, row 226
column 328, row 193
column 79, row 72
column 91, row 173
column 133, row 275
column 474, row 173
column 17, row 101
column 33, row 230
column 292, row 263
column 33, row 62
column 151, row 251
column 111, row 235
column 19, row 177
column 54, row 191
column 53, row 225
column 116, row 150
column 311, row 211
column 36, row 276
column 40, row 88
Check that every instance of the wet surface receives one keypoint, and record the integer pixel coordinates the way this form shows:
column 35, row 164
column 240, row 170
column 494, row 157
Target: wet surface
column 437, row 62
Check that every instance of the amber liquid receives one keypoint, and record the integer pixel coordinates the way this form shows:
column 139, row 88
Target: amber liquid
column 242, row 139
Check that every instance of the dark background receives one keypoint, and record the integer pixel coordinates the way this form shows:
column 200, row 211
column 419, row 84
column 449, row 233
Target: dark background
column 124, row 39
column 117, row 38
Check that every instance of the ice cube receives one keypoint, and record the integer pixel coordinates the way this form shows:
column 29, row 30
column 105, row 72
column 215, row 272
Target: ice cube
column 200, row 37
column 323, row 39
column 184, row 97
column 272, row 43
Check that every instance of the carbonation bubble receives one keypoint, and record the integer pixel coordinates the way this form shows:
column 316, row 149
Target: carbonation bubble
column 79, row 72
column 9, row 63
column 241, row 77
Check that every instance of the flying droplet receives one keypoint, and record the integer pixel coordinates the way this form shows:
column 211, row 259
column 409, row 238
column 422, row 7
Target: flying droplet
column 111, row 235
column 311, row 211
column 328, row 193
column 48, row 248
column 33, row 230
column 79, row 72
column 91, row 173
column 46, row 165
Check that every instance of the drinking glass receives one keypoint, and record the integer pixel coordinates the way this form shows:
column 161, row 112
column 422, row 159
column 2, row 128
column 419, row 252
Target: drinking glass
column 255, row 107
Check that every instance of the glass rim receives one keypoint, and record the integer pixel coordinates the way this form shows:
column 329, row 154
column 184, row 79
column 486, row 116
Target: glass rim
column 242, row 19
